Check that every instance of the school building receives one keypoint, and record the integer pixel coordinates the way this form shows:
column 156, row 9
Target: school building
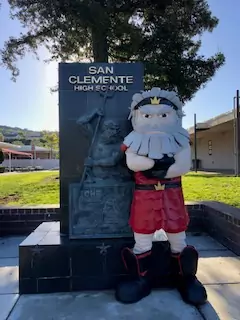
column 216, row 147
column 27, row 156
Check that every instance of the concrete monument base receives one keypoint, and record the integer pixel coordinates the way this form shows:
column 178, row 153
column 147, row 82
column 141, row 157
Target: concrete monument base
column 51, row 263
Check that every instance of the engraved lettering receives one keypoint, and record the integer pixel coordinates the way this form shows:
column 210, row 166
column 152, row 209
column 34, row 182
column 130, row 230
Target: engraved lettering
column 78, row 88
column 92, row 70
column 72, row 79
column 129, row 79
column 101, row 76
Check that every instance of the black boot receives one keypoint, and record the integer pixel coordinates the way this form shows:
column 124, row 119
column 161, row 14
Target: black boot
column 184, row 272
column 138, row 287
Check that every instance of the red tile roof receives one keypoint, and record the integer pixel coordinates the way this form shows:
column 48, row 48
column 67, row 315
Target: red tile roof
column 15, row 152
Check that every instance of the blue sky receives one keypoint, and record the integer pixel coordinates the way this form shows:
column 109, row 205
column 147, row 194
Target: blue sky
column 28, row 103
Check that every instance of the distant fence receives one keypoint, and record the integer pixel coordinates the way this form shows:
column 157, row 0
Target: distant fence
column 46, row 164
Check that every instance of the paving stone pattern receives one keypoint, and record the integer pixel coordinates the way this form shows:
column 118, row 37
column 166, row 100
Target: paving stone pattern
column 219, row 269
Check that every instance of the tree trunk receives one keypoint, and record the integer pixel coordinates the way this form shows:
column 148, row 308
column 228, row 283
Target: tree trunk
column 99, row 30
column 99, row 45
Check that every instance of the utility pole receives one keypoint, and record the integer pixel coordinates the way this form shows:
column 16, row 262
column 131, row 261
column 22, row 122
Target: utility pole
column 237, row 132
column 195, row 142
column 33, row 152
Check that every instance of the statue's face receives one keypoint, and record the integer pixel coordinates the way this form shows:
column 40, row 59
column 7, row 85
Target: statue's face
column 110, row 132
column 157, row 127
column 155, row 119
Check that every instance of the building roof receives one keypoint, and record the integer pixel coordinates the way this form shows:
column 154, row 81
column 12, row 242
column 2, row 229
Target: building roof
column 10, row 134
column 15, row 147
column 16, row 152
column 33, row 135
column 8, row 145
column 29, row 149
column 222, row 118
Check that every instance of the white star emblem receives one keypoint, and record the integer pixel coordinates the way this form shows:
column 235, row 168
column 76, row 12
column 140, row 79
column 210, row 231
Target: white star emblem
column 36, row 250
column 103, row 248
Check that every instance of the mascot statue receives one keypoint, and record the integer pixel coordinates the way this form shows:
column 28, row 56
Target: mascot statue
column 158, row 152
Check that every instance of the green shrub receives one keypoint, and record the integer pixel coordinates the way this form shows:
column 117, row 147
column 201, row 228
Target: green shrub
column 2, row 169
column 1, row 156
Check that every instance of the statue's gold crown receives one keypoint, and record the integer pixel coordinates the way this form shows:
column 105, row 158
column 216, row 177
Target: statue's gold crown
column 155, row 100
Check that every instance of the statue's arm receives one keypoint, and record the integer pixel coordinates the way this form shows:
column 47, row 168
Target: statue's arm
column 89, row 117
column 109, row 161
column 182, row 163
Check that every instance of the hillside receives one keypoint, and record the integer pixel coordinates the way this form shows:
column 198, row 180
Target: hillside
column 6, row 130
column 14, row 131
column 24, row 136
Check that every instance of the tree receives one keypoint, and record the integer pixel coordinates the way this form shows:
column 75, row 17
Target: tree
column 164, row 34
column 21, row 135
column 52, row 141
column 37, row 142
column 1, row 137
column 18, row 143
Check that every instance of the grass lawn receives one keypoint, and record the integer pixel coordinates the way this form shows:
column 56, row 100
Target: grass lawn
column 43, row 188
column 200, row 187
column 29, row 188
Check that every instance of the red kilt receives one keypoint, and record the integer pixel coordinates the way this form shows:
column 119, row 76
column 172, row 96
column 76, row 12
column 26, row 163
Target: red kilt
column 152, row 210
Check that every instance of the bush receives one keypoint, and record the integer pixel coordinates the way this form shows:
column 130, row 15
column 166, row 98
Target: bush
column 38, row 168
column 2, row 169
column 1, row 157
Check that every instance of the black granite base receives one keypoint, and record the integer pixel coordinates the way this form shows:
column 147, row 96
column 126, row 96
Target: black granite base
column 50, row 263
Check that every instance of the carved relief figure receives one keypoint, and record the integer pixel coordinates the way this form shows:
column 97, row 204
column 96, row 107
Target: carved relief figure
column 105, row 159
column 106, row 178
column 158, row 152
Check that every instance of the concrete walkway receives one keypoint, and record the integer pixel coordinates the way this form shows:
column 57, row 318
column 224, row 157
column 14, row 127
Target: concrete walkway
column 219, row 270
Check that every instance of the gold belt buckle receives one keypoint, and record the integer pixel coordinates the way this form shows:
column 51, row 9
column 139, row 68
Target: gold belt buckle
column 159, row 186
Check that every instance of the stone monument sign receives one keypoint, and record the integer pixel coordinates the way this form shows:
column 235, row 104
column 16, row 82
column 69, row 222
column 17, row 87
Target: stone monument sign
column 96, row 186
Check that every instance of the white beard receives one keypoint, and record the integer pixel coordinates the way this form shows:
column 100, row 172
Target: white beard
column 156, row 145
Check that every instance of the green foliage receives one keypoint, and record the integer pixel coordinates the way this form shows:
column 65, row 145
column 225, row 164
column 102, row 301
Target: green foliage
column 18, row 142
column 163, row 34
column 1, row 137
column 51, row 140
column 2, row 169
column 1, row 156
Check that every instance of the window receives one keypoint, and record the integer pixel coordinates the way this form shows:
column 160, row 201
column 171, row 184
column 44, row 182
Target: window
column 210, row 147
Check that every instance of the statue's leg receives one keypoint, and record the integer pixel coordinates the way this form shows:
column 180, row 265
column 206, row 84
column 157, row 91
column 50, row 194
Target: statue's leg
column 137, row 262
column 177, row 241
column 184, row 269
column 143, row 243
column 89, row 175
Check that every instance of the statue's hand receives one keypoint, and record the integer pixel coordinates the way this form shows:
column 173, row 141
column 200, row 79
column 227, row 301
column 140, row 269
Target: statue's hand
column 160, row 168
column 181, row 165
column 164, row 163
column 153, row 174
column 89, row 162
column 100, row 112
column 81, row 121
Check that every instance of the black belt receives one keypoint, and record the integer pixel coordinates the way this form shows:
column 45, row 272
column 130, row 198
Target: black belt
column 158, row 186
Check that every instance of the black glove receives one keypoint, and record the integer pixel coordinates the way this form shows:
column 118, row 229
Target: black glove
column 155, row 174
column 164, row 163
column 160, row 168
